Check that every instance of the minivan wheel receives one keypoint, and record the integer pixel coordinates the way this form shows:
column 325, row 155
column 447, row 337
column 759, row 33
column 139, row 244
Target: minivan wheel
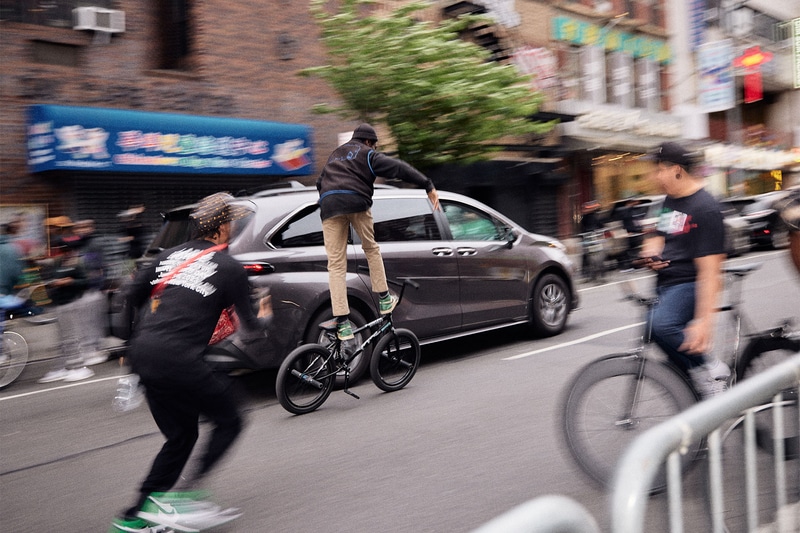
column 549, row 305
column 360, row 365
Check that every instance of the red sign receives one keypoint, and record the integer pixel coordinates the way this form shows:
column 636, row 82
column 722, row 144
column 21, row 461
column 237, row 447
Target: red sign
column 751, row 61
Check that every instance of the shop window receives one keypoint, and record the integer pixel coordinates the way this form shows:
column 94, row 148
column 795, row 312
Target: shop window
column 175, row 34
column 56, row 13
column 569, row 73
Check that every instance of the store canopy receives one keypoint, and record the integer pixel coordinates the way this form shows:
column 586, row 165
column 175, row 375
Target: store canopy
column 114, row 140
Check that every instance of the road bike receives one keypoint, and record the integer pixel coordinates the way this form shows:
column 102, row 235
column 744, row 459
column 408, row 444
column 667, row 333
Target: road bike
column 13, row 349
column 619, row 396
column 308, row 374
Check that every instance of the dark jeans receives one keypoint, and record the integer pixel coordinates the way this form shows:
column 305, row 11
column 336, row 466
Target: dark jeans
column 176, row 410
column 674, row 311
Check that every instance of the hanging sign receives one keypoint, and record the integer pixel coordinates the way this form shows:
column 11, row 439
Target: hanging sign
column 751, row 61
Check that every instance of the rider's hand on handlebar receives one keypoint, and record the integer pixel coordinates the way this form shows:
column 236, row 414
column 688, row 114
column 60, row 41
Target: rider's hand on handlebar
column 653, row 262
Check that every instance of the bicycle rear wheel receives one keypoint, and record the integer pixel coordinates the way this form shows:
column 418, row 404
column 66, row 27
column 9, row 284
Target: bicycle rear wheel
column 305, row 378
column 13, row 357
column 761, row 353
column 608, row 405
column 395, row 359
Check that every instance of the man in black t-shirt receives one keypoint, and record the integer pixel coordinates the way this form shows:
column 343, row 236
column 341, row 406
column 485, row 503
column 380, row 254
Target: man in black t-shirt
column 687, row 254
column 180, row 297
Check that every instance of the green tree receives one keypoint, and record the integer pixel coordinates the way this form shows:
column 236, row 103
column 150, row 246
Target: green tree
column 441, row 97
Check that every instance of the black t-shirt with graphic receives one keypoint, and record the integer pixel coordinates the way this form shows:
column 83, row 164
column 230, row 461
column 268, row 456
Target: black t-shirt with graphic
column 169, row 343
column 692, row 227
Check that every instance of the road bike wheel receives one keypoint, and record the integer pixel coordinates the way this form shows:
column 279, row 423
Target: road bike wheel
column 305, row 379
column 395, row 359
column 13, row 357
column 760, row 354
column 600, row 418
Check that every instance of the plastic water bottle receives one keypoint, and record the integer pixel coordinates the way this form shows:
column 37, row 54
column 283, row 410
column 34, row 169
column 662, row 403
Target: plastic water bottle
column 128, row 396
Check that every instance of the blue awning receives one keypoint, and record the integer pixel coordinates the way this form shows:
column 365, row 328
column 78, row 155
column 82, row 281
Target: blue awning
column 115, row 140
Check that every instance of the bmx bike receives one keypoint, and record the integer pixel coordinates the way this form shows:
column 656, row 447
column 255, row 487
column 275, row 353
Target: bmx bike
column 308, row 374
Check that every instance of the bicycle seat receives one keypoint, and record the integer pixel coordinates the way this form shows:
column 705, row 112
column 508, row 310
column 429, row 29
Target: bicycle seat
column 741, row 270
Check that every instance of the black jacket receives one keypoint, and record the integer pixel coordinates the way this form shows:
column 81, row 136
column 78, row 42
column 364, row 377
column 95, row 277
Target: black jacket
column 347, row 181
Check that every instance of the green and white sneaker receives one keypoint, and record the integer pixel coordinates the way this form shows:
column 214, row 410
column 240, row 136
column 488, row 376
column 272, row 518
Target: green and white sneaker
column 387, row 304
column 136, row 525
column 344, row 330
column 190, row 512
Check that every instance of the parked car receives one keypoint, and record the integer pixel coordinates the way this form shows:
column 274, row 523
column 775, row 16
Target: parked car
column 476, row 269
column 766, row 226
column 646, row 212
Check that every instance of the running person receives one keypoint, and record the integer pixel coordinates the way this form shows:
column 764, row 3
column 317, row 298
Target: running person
column 180, row 298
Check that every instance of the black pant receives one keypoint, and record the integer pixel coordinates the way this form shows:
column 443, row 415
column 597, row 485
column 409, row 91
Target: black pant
column 176, row 409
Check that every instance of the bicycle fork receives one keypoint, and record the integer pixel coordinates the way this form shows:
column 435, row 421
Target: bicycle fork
column 628, row 421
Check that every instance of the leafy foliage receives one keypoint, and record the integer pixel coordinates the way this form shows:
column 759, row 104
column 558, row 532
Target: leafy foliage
column 440, row 96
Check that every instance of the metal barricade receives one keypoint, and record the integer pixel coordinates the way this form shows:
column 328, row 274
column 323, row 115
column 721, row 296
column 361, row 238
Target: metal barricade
column 642, row 460
column 546, row 514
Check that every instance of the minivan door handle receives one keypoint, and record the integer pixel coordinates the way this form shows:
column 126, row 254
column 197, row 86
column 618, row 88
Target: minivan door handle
column 464, row 252
column 443, row 251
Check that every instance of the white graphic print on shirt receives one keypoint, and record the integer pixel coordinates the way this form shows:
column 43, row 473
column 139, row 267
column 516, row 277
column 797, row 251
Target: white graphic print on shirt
column 193, row 276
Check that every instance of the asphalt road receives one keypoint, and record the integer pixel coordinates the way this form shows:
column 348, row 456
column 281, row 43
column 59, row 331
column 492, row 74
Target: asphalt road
column 473, row 435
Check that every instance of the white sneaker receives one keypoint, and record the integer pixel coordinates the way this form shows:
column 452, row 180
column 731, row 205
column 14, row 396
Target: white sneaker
column 77, row 374
column 54, row 375
column 706, row 384
column 95, row 358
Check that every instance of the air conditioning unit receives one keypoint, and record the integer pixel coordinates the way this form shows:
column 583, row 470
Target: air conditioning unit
column 98, row 19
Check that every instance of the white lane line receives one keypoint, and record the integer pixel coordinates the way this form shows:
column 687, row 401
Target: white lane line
column 572, row 343
column 51, row 389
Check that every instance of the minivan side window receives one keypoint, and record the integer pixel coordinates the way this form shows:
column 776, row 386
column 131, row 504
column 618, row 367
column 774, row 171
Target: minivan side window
column 467, row 224
column 303, row 229
column 404, row 219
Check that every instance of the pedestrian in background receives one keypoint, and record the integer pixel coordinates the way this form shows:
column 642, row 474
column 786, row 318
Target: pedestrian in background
column 180, row 297
column 345, row 187
column 65, row 287
column 94, row 303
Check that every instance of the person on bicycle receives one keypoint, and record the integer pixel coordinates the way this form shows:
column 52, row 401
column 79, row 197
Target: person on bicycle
column 687, row 252
column 345, row 188
column 167, row 352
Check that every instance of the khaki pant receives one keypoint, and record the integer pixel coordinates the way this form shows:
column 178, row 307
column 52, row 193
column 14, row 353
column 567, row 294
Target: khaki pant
column 335, row 232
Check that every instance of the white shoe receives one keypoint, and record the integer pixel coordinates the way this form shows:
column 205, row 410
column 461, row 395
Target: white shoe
column 705, row 384
column 95, row 358
column 77, row 374
column 54, row 375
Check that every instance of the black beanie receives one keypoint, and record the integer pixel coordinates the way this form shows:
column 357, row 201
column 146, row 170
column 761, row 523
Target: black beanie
column 365, row 132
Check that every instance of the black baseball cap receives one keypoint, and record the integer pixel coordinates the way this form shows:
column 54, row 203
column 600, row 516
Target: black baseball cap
column 672, row 152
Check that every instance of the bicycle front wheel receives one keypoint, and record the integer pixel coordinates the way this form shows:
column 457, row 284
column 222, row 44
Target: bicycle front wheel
column 395, row 359
column 305, row 379
column 13, row 357
column 761, row 353
column 614, row 400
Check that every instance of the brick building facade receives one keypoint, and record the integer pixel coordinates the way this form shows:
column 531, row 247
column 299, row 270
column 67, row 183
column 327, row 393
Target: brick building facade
column 204, row 57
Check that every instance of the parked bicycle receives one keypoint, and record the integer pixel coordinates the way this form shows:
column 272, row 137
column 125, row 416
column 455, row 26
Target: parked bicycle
column 614, row 399
column 308, row 374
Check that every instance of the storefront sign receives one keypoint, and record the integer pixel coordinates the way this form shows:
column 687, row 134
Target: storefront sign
column 716, row 85
column 585, row 33
column 114, row 140
column 751, row 61
column 538, row 63
column 796, row 52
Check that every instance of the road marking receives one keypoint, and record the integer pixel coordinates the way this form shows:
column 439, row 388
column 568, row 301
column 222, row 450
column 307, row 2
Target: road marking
column 51, row 389
column 572, row 343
